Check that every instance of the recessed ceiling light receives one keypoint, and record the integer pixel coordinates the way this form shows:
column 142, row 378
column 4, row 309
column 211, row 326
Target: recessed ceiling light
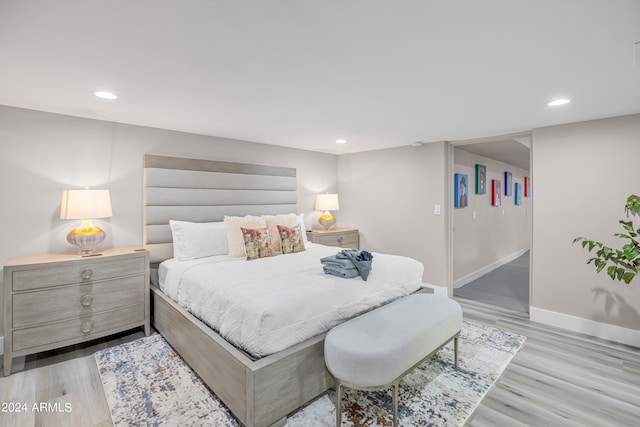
column 105, row 95
column 557, row 102
column 341, row 141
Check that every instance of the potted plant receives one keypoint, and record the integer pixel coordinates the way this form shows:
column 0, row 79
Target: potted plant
column 622, row 264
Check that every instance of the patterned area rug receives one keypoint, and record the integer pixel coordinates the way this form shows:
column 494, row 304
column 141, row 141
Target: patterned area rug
column 147, row 383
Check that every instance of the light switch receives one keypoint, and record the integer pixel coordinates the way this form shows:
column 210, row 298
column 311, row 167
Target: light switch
column 473, row 214
column 502, row 212
column 436, row 209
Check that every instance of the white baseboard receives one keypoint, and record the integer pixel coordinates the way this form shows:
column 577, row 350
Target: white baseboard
column 437, row 290
column 487, row 269
column 586, row 326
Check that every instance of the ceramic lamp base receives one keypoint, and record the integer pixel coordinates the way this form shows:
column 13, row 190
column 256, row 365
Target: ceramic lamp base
column 327, row 220
column 86, row 236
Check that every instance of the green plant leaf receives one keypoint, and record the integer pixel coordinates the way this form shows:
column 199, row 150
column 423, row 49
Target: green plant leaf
column 623, row 236
column 628, row 276
column 632, row 253
column 600, row 265
column 627, row 225
column 611, row 271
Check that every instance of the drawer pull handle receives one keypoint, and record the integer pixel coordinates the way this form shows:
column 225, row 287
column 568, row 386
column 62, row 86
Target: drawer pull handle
column 86, row 327
column 86, row 300
column 339, row 238
column 87, row 273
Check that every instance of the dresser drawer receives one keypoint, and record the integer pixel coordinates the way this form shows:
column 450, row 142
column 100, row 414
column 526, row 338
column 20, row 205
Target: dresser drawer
column 347, row 240
column 67, row 302
column 77, row 273
column 83, row 327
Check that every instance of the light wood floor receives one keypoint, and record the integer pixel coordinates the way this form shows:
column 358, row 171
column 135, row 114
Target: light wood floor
column 558, row 379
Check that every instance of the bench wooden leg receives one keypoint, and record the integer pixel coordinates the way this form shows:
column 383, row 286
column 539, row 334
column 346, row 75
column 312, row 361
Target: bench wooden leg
column 395, row 404
column 455, row 352
column 338, row 404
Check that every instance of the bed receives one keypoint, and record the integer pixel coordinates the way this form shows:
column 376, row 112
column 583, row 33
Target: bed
column 260, row 387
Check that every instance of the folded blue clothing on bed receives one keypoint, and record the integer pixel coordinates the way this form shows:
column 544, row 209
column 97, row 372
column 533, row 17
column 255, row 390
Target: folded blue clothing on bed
column 346, row 273
column 348, row 261
column 363, row 260
column 333, row 260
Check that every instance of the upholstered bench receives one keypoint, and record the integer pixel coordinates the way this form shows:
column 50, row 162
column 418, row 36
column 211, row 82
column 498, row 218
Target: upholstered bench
column 374, row 351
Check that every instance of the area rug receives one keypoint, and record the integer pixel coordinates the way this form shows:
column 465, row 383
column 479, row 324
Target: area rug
column 147, row 383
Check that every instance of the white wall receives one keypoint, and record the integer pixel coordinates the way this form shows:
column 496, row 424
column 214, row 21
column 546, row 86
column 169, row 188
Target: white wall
column 42, row 154
column 583, row 173
column 390, row 195
column 496, row 232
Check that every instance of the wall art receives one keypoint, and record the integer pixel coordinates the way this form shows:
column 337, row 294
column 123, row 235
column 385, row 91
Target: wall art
column 481, row 179
column 517, row 197
column 461, row 190
column 495, row 192
column 508, row 183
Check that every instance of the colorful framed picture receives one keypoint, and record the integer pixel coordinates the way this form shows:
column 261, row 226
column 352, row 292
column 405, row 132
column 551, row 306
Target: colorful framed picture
column 527, row 186
column 508, row 183
column 461, row 190
column 481, row 179
column 496, row 192
column 517, row 196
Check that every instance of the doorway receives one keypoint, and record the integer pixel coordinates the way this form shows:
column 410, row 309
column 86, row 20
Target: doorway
column 489, row 238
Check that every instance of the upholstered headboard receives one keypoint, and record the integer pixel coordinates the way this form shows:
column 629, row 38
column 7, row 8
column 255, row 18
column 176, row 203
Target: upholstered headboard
column 205, row 191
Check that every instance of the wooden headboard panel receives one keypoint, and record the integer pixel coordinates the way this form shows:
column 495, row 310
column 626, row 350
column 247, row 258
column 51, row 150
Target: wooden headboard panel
column 205, row 191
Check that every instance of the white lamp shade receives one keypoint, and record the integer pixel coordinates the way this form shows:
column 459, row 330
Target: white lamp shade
column 327, row 202
column 85, row 204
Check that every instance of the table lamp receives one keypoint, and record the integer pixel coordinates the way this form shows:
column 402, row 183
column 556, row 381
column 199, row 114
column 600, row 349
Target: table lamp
column 86, row 205
column 326, row 203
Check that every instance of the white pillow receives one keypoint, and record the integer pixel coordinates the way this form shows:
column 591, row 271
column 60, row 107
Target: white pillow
column 302, row 227
column 193, row 240
column 234, row 234
column 273, row 221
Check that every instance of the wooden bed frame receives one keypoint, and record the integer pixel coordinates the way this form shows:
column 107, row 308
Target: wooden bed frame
column 259, row 393
column 263, row 392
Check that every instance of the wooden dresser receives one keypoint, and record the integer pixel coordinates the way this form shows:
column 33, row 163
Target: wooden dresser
column 341, row 237
column 56, row 300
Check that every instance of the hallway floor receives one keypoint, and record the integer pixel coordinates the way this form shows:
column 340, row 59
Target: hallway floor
column 506, row 286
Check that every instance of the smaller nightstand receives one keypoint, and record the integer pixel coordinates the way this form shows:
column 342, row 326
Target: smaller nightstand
column 341, row 237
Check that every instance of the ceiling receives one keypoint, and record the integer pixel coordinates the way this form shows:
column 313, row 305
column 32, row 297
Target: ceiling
column 305, row 73
column 512, row 151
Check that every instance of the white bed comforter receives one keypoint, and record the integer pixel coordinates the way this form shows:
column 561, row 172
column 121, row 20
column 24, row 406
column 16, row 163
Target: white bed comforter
column 266, row 305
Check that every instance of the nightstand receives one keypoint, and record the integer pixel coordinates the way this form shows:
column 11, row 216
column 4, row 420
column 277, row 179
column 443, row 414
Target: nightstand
column 341, row 237
column 55, row 300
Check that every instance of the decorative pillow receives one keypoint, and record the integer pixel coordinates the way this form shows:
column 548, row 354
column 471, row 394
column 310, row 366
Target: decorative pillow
column 193, row 240
column 234, row 234
column 288, row 220
column 291, row 239
column 257, row 243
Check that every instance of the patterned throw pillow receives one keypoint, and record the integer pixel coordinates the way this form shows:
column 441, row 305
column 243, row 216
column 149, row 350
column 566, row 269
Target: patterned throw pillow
column 257, row 243
column 234, row 234
column 273, row 221
column 291, row 239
